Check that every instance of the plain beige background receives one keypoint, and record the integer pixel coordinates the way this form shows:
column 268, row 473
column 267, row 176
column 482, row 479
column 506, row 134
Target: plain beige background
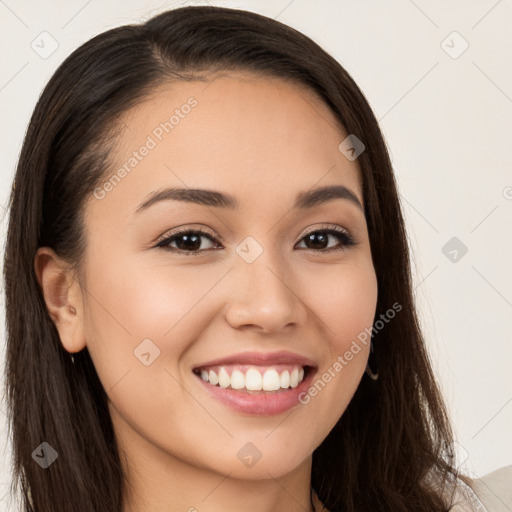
column 438, row 76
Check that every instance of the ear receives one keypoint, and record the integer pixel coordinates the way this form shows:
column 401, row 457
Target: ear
column 62, row 295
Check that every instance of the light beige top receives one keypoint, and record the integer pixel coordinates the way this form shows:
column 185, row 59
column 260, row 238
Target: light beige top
column 494, row 490
column 491, row 493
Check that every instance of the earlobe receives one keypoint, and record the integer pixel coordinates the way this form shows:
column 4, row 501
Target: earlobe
column 60, row 290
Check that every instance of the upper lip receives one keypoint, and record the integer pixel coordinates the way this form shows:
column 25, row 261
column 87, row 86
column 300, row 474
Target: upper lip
column 259, row 358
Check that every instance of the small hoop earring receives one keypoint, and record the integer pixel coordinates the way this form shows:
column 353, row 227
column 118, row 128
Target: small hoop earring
column 373, row 375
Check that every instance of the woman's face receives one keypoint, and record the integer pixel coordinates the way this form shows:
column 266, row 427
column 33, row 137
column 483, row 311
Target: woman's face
column 259, row 299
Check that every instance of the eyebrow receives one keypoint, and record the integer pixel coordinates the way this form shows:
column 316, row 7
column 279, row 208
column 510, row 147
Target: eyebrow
column 205, row 197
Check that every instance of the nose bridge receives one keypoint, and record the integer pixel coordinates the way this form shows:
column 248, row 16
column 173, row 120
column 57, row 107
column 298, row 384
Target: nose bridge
column 263, row 293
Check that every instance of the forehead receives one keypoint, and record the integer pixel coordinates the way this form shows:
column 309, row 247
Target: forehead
column 239, row 132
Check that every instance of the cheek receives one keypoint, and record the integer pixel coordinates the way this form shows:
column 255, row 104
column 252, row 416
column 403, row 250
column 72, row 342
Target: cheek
column 130, row 302
column 345, row 299
column 346, row 306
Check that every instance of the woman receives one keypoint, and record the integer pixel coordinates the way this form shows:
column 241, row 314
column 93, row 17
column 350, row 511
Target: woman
column 208, row 285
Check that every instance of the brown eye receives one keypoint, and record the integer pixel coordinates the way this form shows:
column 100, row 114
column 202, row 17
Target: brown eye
column 318, row 240
column 187, row 242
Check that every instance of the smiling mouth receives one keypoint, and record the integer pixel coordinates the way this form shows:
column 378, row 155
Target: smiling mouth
column 254, row 379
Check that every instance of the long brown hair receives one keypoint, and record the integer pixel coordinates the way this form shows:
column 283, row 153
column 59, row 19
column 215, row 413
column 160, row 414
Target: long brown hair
column 395, row 431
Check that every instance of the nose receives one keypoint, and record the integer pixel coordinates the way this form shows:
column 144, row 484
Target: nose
column 264, row 297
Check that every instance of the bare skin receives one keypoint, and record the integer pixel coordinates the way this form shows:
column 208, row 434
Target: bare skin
column 263, row 141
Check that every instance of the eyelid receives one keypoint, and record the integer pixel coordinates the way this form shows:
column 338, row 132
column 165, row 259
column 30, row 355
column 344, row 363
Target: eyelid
column 323, row 227
column 190, row 227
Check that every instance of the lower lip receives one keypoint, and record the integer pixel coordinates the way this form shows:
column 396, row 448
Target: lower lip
column 260, row 404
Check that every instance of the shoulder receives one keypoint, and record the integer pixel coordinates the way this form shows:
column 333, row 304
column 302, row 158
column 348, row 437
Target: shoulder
column 494, row 490
column 490, row 493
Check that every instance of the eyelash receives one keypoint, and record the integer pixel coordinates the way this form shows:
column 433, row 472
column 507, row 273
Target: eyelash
column 342, row 234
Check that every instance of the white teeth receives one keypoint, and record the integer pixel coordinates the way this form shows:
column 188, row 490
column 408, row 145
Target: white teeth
column 253, row 380
column 294, row 378
column 285, row 379
column 224, row 380
column 271, row 381
column 212, row 377
column 237, row 379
